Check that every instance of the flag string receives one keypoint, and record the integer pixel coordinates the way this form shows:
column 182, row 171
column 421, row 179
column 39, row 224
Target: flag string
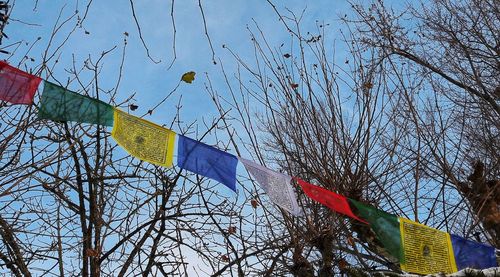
column 418, row 248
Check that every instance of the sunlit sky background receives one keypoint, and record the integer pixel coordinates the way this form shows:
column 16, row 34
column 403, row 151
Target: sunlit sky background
column 107, row 21
column 104, row 28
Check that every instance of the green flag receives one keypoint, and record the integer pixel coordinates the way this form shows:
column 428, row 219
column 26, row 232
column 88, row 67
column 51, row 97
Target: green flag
column 385, row 226
column 60, row 104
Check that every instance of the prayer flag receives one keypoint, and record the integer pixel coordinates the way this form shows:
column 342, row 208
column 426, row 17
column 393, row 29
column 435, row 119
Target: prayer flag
column 472, row 254
column 208, row 161
column 16, row 86
column 426, row 250
column 143, row 139
column 330, row 199
column 60, row 104
column 385, row 225
column 276, row 185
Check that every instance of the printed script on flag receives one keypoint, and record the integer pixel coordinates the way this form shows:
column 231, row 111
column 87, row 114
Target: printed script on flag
column 276, row 185
column 427, row 250
column 143, row 139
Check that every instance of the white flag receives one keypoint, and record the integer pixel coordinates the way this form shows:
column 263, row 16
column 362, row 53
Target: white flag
column 276, row 185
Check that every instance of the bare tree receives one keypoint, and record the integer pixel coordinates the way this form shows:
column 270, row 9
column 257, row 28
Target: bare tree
column 451, row 49
column 327, row 124
column 397, row 124
column 72, row 204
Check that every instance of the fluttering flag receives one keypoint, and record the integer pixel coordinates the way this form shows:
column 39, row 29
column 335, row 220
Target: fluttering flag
column 276, row 185
column 422, row 249
column 385, row 225
column 471, row 254
column 60, row 104
column 16, row 86
column 143, row 139
column 206, row 160
column 426, row 250
column 330, row 199
column 419, row 248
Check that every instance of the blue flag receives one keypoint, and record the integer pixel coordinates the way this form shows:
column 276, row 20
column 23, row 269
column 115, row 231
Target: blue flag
column 206, row 160
column 472, row 254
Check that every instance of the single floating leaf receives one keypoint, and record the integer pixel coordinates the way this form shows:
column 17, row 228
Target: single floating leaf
column 188, row 77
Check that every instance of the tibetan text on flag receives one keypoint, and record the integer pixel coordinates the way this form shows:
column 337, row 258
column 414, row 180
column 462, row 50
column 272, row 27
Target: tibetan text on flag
column 143, row 139
column 276, row 185
column 427, row 250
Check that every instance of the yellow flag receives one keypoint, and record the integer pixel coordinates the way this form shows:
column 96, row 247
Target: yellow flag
column 427, row 250
column 143, row 139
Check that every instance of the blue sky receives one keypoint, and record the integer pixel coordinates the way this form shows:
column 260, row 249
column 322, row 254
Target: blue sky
column 107, row 21
column 104, row 28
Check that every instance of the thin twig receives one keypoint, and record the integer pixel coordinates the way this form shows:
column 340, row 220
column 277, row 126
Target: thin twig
column 140, row 33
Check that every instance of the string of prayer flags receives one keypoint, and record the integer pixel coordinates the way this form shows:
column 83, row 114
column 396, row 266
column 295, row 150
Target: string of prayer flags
column 143, row 139
column 60, row 104
column 384, row 225
column 426, row 250
column 471, row 254
column 422, row 249
column 330, row 199
column 418, row 248
column 16, row 86
column 276, row 185
column 207, row 161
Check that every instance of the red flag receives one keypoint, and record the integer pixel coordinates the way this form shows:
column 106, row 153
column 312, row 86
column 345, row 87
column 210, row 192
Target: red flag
column 16, row 86
column 328, row 198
